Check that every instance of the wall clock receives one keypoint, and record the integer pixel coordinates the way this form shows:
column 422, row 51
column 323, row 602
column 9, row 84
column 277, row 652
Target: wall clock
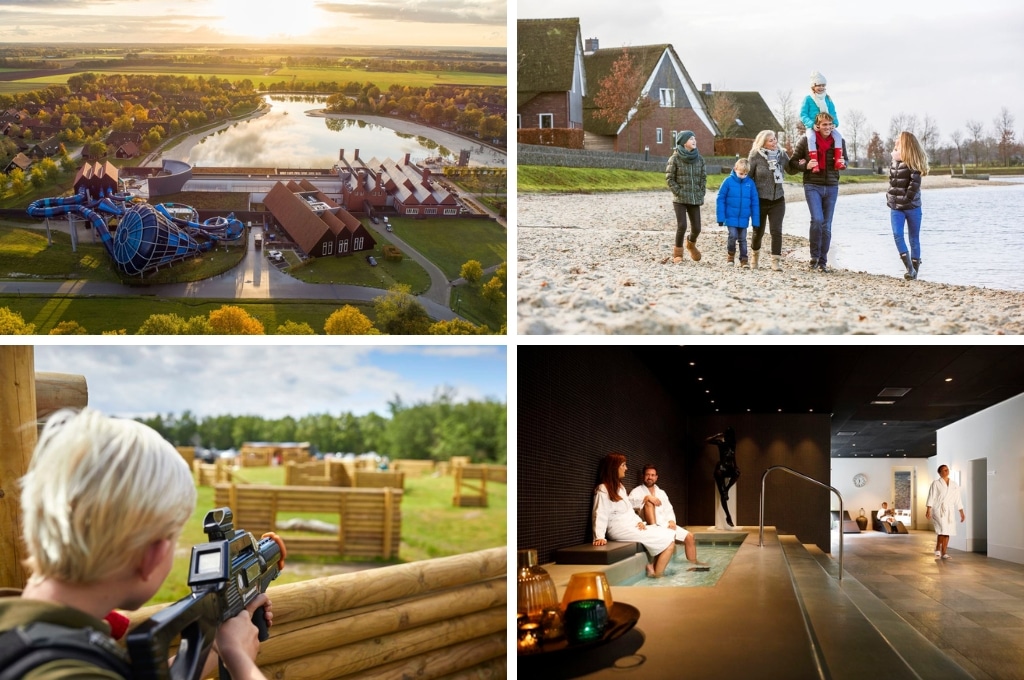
column 859, row 480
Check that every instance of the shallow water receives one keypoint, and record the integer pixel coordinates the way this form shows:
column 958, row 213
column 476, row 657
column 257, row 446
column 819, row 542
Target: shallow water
column 678, row 575
column 972, row 236
column 286, row 137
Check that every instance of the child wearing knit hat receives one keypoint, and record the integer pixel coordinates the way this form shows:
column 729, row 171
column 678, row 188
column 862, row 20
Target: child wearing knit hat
column 819, row 102
column 686, row 176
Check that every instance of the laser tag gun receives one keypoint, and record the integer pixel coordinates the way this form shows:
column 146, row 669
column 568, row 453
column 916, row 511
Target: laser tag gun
column 225, row 575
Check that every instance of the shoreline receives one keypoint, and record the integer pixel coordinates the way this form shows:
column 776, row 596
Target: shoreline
column 583, row 269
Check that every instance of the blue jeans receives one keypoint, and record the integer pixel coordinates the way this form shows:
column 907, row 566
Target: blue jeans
column 738, row 234
column 821, row 201
column 912, row 218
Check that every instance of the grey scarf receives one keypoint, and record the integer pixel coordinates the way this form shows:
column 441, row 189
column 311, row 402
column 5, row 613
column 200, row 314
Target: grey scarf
column 773, row 162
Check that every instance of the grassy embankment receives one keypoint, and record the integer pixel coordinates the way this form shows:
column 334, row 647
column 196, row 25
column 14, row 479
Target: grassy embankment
column 431, row 527
column 550, row 179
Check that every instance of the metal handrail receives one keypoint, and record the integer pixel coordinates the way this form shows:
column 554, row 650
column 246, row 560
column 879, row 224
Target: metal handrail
column 815, row 481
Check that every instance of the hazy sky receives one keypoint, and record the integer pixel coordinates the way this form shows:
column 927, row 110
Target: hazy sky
column 359, row 22
column 274, row 381
column 949, row 59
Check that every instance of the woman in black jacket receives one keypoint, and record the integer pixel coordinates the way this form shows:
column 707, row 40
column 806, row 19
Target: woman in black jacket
column 909, row 164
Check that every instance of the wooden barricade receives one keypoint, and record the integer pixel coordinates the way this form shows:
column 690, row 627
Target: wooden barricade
column 429, row 619
column 458, row 461
column 369, row 520
column 327, row 472
column 255, row 457
column 413, row 467
column 220, row 471
column 188, row 454
column 471, row 483
column 377, row 479
column 341, row 472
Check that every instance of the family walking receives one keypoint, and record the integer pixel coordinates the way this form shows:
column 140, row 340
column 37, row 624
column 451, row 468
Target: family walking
column 753, row 196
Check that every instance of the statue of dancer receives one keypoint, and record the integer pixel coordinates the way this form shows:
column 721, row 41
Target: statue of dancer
column 726, row 468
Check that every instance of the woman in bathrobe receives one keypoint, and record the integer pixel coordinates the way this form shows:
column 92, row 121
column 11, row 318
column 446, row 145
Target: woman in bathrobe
column 615, row 519
column 943, row 502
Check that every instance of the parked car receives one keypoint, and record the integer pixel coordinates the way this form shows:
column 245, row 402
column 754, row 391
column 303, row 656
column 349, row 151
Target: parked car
column 388, row 227
column 275, row 255
column 372, row 260
column 386, row 220
column 373, row 218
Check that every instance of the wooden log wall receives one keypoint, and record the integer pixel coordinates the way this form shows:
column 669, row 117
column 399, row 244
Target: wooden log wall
column 369, row 520
column 307, row 474
column 340, row 471
column 414, row 468
column 211, row 474
column 375, row 479
column 430, row 619
column 471, row 483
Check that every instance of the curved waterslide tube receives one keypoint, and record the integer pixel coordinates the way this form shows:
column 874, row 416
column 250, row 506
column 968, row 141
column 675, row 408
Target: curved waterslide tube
column 222, row 228
column 143, row 240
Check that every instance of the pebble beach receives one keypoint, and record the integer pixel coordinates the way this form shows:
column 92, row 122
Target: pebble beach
column 600, row 264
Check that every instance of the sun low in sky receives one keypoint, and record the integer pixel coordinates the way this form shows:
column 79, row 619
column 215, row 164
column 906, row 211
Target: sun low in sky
column 268, row 19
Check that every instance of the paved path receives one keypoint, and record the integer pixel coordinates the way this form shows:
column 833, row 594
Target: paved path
column 254, row 278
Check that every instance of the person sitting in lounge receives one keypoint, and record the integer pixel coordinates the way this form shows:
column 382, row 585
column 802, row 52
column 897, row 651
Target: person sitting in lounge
column 886, row 515
column 652, row 503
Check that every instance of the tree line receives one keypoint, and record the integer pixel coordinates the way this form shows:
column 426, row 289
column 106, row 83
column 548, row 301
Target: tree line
column 434, row 430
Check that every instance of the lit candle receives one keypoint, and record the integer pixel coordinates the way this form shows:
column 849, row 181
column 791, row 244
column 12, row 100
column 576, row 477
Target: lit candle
column 529, row 638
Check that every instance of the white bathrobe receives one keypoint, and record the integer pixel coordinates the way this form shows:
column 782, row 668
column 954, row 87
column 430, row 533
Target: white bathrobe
column 616, row 521
column 944, row 500
column 663, row 514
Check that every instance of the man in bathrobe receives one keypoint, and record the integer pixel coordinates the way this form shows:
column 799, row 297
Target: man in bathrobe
column 652, row 503
column 943, row 502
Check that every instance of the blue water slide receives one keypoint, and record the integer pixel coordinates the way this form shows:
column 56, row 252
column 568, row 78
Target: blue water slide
column 221, row 228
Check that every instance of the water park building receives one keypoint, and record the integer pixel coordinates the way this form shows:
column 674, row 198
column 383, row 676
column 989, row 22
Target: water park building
column 315, row 223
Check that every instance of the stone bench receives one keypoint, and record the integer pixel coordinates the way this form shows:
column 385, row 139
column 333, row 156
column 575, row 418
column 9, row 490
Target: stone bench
column 588, row 553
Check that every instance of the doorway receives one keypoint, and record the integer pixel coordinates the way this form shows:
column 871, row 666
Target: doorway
column 977, row 536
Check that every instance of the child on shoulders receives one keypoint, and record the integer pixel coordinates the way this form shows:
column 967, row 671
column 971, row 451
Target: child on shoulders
column 819, row 102
column 738, row 208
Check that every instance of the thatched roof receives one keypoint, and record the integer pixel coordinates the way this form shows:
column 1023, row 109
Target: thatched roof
column 546, row 56
column 599, row 66
column 754, row 113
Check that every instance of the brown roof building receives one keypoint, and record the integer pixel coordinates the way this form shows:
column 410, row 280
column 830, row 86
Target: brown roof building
column 413, row 192
column 315, row 223
column 96, row 178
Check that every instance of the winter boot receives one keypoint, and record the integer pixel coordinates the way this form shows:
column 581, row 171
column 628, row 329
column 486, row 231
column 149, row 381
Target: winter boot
column 732, row 259
column 815, row 156
column 911, row 272
column 677, row 254
column 691, row 248
column 917, row 267
column 776, row 263
column 837, row 159
column 755, row 254
column 744, row 263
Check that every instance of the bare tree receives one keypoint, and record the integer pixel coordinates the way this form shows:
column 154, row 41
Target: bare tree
column 787, row 115
column 929, row 136
column 723, row 110
column 975, row 129
column 900, row 122
column 1005, row 136
column 958, row 141
column 620, row 96
column 854, row 128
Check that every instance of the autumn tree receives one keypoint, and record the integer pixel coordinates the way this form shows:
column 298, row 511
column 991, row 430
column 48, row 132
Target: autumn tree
column 295, row 328
column 1006, row 140
column 12, row 323
column 348, row 321
column 472, row 270
column 492, row 291
column 876, row 151
column 620, row 97
column 456, row 327
column 232, row 320
column 161, row 324
column 399, row 313
column 724, row 111
column 502, row 272
column 68, row 328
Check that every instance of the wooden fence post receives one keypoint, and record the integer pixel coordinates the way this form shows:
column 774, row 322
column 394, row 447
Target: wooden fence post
column 17, row 441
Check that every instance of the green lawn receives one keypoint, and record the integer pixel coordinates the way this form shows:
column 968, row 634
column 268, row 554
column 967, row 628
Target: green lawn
column 470, row 303
column 25, row 253
column 99, row 314
column 431, row 527
column 451, row 242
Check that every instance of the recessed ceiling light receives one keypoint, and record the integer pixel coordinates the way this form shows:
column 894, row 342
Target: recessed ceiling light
column 748, row 410
column 707, row 391
column 780, row 410
column 879, row 402
column 949, row 380
column 692, row 364
column 700, row 378
column 885, row 423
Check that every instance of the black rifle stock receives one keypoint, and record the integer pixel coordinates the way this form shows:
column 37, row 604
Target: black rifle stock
column 225, row 575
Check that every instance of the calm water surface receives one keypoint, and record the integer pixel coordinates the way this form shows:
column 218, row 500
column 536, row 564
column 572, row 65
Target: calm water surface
column 971, row 236
column 288, row 138
column 677, row 573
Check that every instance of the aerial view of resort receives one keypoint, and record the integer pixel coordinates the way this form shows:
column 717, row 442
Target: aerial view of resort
column 269, row 171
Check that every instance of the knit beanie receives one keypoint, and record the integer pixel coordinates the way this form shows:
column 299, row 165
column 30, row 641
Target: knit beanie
column 817, row 79
column 683, row 137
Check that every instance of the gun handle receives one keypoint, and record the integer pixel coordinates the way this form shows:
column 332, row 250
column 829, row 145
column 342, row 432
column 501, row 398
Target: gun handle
column 259, row 619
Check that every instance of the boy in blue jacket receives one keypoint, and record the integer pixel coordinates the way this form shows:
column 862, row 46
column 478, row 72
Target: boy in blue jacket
column 738, row 208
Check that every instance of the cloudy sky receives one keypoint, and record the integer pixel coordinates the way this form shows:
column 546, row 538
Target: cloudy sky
column 274, row 381
column 358, row 22
column 948, row 59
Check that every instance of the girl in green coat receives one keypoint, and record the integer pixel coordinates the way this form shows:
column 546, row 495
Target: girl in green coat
column 688, row 181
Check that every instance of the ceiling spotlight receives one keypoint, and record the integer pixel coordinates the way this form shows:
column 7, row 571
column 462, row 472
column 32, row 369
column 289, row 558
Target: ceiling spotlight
column 949, row 380
column 748, row 410
column 707, row 391
column 885, row 423
column 692, row 364
column 780, row 410
column 880, row 402
column 700, row 378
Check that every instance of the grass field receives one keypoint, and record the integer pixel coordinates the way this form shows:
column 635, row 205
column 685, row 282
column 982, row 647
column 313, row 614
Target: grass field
column 431, row 527
column 99, row 314
column 550, row 179
column 342, row 76
column 357, row 271
column 451, row 242
column 468, row 302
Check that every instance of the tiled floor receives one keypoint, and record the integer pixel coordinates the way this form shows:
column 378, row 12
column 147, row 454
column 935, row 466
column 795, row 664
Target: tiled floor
column 970, row 606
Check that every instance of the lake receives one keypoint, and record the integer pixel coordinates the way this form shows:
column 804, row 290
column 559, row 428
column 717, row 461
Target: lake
column 970, row 236
column 286, row 137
